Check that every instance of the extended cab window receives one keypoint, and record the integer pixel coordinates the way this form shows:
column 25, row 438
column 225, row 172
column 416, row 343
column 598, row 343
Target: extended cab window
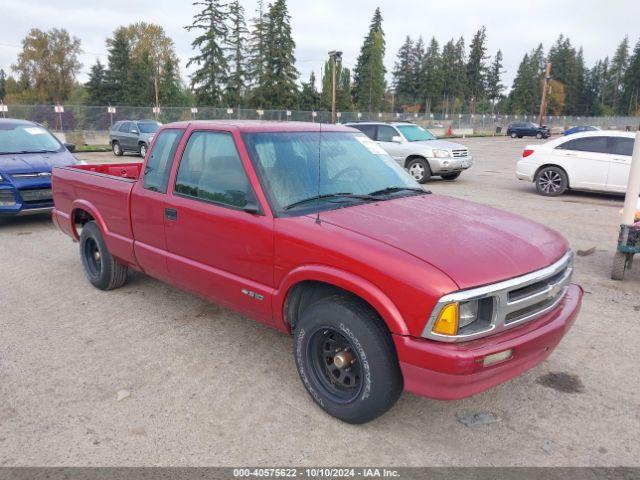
column 156, row 172
column 211, row 170
column 368, row 130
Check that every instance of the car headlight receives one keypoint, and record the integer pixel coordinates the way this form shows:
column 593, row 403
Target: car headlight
column 441, row 153
column 462, row 318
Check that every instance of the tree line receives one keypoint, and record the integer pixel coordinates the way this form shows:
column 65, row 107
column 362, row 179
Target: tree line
column 251, row 64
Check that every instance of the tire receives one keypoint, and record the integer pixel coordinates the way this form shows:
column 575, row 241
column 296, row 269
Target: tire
column 117, row 149
column 539, row 136
column 513, row 135
column 451, row 176
column 102, row 270
column 142, row 150
column 419, row 169
column 620, row 261
column 551, row 181
column 371, row 381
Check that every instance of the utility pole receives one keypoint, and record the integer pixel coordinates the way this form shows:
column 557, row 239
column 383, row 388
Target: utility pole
column 155, row 85
column 545, row 89
column 335, row 56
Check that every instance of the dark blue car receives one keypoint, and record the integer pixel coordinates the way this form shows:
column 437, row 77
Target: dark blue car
column 580, row 128
column 28, row 152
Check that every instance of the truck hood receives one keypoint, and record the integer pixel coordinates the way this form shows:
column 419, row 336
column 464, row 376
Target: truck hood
column 35, row 162
column 443, row 144
column 471, row 243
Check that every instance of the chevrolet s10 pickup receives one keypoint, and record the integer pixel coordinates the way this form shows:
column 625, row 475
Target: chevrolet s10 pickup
column 314, row 230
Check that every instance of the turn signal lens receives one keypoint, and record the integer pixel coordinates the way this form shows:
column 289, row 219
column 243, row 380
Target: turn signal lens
column 447, row 322
column 526, row 153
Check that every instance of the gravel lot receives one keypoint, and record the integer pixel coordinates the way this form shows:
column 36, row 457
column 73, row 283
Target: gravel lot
column 205, row 386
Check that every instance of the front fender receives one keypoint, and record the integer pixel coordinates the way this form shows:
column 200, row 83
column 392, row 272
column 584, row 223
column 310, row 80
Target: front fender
column 346, row 281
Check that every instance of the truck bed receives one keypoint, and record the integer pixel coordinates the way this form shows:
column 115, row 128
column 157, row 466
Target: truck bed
column 103, row 192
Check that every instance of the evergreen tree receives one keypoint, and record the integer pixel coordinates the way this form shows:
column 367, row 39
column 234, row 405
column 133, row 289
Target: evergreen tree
column 139, row 87
column 119, row 63
column 3, row 84
column 257, row 57
column 617, row 69
column 417, row 61
column 97, row 85
column 404, row 74
column 524, row 97
column 430, row 78
column 280, row 88
column 476, row 69
column 567, row 70
column 369, row 83
column 211, row 74
column 494, row 79
column 631, row 84
column 170, row 86
column 237, row 57
column 309, row 96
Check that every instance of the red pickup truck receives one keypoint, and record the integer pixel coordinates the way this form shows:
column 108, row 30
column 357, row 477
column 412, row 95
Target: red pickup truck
column 316, row 231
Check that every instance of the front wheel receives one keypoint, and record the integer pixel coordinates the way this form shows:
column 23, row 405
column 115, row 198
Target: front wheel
column 346, row 359
column 419, row 169
column 551, row 181
column 451, row 176
column 539, row 136
column 102, row 270
column 143, row 150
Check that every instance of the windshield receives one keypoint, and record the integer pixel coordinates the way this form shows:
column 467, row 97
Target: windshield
column 148, row 127
column 352, row 167
column 415, row 133
column 27, row 138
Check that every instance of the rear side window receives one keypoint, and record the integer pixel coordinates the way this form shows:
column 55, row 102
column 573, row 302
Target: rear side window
column 588, row 144
column 211, row 170
column 125, row 127
column 386, row 133
column 158, row 167
column 368, row 130
column 621, row 145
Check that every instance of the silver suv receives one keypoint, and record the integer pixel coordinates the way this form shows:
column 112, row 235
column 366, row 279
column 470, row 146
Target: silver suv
column 132, row 136
column 417, row 150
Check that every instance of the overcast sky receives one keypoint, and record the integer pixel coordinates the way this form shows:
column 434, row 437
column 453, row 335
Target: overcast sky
column 323, row 25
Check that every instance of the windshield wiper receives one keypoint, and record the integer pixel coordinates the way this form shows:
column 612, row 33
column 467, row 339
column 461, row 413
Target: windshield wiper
column 328, row 195
column 387, row 190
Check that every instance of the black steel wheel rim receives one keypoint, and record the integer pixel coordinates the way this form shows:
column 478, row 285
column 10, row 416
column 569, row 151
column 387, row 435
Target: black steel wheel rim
column 93, row 257
column 335, row 365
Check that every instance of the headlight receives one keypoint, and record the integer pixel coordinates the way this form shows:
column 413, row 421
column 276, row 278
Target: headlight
column 462, row 318
column 441, row 153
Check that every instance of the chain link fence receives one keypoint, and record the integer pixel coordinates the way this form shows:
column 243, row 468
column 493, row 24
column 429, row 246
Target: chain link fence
column 90, row 124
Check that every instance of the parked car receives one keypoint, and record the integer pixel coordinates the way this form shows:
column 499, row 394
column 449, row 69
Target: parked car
column 132, row 136
column 598, row 160
column 417, row 150
column 28, row 151
column 580, row 128
column 528, row 129
column 383, row 285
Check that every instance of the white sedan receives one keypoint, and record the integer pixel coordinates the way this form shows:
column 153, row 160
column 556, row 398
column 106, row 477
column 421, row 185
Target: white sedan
column 597, row 161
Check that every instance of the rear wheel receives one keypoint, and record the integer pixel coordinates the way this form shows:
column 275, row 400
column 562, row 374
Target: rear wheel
column 117, row 149
column 551, row 181
column 419, row 169
column 451, row 176
column 513, row 135
column 346, row 359
column 102, row 270
column 143, row 150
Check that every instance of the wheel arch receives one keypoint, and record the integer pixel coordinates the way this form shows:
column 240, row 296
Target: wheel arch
column 308, row 284
column 83, row 212
column 408, row 160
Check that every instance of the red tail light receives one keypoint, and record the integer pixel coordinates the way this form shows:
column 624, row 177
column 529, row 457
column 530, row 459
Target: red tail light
column 526, row 153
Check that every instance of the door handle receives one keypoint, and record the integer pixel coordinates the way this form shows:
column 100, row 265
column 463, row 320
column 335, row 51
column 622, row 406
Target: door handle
column 171, row 214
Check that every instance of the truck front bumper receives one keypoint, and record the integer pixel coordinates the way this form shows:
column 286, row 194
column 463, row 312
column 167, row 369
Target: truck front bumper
column 448, row 371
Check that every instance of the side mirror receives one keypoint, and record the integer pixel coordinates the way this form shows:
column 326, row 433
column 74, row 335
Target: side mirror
column 252, row 207
column 70, row 146
column 396, row 139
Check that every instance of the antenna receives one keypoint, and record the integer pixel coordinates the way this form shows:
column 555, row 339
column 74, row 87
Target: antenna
column 319, row 155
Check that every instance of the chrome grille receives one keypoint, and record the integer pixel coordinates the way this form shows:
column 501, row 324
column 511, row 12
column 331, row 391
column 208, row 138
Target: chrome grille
column 515, row 301
column 36, row 195
column 460, row 153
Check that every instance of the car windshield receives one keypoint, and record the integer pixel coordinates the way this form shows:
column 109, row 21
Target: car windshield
column 415, row 133
column 27, row 138
column 353, row 169
column 148, row 127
